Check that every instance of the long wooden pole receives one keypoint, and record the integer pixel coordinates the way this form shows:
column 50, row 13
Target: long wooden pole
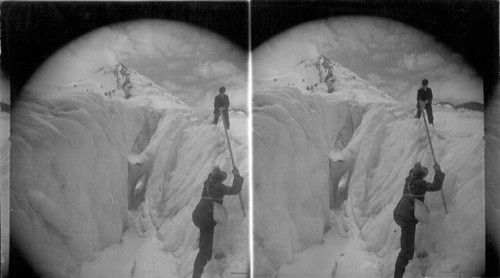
column 432, row 151
column 231, row 154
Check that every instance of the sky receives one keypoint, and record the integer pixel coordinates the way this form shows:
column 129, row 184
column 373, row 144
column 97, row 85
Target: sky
column 184, row 59
column 391, row 55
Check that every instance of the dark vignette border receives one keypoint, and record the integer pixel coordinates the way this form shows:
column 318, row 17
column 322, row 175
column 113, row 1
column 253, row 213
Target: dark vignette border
column 32, row 31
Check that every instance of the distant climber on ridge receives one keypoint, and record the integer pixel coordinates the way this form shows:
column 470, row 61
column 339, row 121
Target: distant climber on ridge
column 126, row 86
column 424, row 95
column 404, row 214
column 221, row 101
column 213, row 191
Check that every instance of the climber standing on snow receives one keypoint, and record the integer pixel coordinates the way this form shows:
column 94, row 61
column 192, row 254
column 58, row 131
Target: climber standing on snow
column 213, row 191
column 221, row 101
column 404, row 214
column 424, row 95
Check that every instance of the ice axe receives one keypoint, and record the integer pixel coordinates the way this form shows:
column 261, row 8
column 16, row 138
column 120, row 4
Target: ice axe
column 432, row 151
column 231, row 154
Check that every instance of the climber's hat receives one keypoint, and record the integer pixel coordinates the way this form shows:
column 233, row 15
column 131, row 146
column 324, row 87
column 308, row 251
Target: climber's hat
column 222, row 89
column 218, row 175
column 419, row 172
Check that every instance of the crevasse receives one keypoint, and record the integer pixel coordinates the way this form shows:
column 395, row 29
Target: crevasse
column 76, row 185
column 328, row 174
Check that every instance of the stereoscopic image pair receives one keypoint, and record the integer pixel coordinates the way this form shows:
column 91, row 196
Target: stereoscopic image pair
column 249, row 139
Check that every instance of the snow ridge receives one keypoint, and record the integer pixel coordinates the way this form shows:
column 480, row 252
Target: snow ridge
column 116, row 82
column 319, row 75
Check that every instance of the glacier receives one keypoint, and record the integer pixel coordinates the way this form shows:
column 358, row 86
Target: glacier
column 104, row 186
column 329, row 167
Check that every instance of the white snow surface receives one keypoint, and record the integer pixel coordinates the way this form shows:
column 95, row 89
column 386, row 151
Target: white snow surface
column 319, row 75
column 298, row 235
column 73, row 151
column 108, row 82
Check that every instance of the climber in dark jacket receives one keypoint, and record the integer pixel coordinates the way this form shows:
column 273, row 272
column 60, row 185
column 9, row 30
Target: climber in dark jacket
column 424, row 95
column 221, row 101
column 203, row 213
column 415, row 187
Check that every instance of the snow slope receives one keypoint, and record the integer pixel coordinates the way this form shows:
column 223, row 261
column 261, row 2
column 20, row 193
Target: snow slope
column 321, row 76
column 81, row 163
column 323, row 189
column 108, row 82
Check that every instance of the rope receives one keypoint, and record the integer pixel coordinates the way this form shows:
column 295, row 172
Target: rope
column 409, row 190
column 411, row 195
column 209, row 197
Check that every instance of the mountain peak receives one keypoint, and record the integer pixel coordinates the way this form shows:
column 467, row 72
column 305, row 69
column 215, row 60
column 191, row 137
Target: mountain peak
column 119, row 81
column 319, row 74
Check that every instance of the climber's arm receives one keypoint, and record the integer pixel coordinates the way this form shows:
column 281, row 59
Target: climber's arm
column 437, row 184
column 237, row 183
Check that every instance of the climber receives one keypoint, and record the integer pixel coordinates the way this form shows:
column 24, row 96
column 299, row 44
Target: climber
column 221, row 100
column 415, row 187
column 203, row 213
column 127, row 87
column 424, row 95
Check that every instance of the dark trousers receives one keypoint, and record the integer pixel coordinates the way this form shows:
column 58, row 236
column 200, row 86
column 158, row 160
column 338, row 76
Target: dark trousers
column 408, row 227
column 225, row 117
column 428, row 109
column 206, row 242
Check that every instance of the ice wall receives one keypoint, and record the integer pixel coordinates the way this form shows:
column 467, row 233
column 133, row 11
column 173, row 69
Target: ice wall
column 69, row 176
column 86, row 169
column 292, row 137
column 384, row 148
column 181, row 154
